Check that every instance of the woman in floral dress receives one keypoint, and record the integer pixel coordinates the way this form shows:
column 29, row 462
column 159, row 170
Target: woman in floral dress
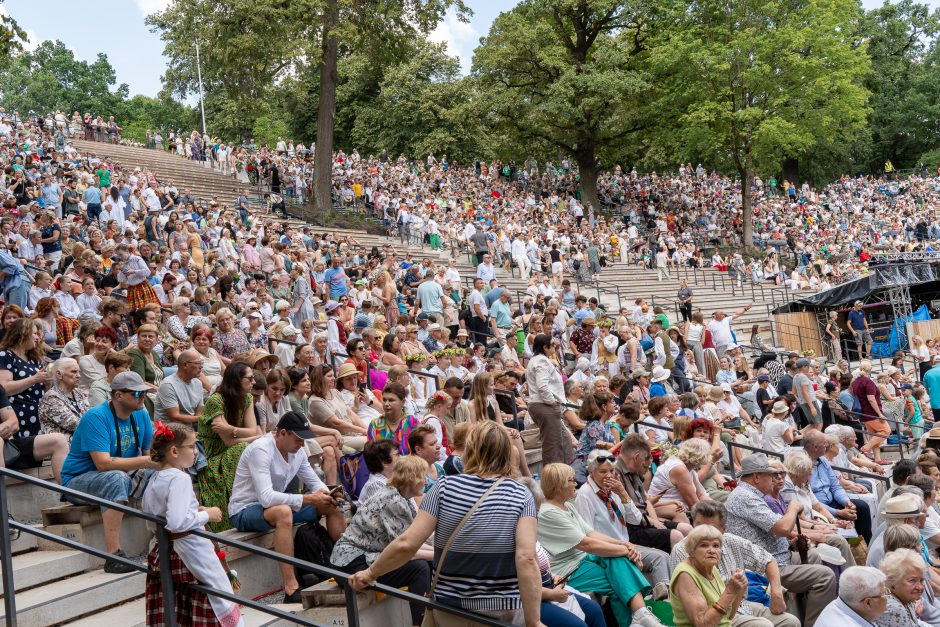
column 226, row 426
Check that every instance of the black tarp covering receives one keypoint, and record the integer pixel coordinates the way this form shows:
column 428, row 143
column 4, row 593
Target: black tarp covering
column 881, row 278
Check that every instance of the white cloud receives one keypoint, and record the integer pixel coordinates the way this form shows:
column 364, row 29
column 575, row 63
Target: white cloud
column 459, row 37
column 152, row 6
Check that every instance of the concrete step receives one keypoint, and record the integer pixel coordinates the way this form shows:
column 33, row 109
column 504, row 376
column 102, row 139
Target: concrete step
column 39, row 567
column 132, row 614
column 65, row 600
column 82, row 523
column 26, row 501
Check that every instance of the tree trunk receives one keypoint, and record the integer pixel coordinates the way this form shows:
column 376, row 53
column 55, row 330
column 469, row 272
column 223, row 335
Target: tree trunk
column 588, row 180
column 323, row 158
column 747, row 213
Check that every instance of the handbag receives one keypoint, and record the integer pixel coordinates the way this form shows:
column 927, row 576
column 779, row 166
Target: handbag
column 430, row 619
column 11, row 453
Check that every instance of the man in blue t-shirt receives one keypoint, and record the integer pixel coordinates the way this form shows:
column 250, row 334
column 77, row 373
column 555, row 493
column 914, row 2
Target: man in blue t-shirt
column 335, row 276
column 112, row 440
column 858, row 327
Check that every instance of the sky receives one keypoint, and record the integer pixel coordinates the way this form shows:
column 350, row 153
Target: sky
column 117, row 28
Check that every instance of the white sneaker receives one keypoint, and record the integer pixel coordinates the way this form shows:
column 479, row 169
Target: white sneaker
column 645, row 618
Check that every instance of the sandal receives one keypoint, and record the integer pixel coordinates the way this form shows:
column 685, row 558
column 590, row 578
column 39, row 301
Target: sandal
column 867, row 454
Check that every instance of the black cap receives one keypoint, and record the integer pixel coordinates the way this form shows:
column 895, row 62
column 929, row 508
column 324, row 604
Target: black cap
column 296, row 423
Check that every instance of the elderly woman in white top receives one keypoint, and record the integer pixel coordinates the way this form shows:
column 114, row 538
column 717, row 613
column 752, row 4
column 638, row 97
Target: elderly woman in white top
column 546, row 395
column 182, row 321
column 904, row 577
column 603, row 503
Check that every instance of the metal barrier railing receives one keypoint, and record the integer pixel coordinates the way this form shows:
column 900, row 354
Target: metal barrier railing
column 166, row 580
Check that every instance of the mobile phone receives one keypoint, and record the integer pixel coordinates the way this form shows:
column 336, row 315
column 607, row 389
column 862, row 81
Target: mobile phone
column 562, row 581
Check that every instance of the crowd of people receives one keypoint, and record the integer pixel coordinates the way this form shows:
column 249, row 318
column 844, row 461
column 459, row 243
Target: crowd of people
column 221, row 367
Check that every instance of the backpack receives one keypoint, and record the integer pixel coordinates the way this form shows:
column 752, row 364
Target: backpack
column 312, row 544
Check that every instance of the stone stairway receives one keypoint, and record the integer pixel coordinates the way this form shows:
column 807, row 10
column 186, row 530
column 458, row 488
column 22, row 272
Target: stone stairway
column 201, row 181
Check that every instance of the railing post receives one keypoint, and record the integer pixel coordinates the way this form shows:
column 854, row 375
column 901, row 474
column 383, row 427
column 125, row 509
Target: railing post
column 9, row 589
column 166, row 577
column 352, row 607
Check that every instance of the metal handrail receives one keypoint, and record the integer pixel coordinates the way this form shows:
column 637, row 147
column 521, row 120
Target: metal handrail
column 166, row 580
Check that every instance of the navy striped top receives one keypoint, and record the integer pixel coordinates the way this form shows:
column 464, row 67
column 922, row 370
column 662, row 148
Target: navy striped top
column 480, row 570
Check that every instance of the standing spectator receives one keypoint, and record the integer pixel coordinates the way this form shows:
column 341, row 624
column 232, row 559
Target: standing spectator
column 546, row 396
column 870, row 413
column 858, row 327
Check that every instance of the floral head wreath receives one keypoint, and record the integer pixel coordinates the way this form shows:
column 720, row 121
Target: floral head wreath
column 415, row 357
column 439, row 396
column 606, row 323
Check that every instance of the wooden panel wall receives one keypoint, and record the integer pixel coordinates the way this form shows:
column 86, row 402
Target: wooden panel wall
column 926, row 329
column 798, row 332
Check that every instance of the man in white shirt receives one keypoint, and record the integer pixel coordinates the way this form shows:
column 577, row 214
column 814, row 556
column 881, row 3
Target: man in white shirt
column 259, row 501
column 518, row 251
column 720, row 328
column 863, row 597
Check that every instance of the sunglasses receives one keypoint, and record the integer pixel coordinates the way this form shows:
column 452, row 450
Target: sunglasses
column 136, row 393
column 606, row 458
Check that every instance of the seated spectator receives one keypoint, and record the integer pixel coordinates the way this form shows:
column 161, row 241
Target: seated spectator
column 739, row 554
column 64, row 403
column 146, row 362
column 423, row 442
column 92, row 365
column 592, row 561
column 750, row 517
column 818, row 524
column 260, row 501
column 274, row 402
column 603, row 503
column 379, row 456
column 22, row 374
column 631, row 469
column 907, row 508
column 114, row 364
column 111, row 441
column 863, row 598
column 393, row 424
column 179, row 398
column 380, row 520
column 453, row 465
column 491, row 561
column 229, row 340
column 826, row 487
column 83, row 341
column 328, row 409
column 677, row 478
column 594, row 412
column 698, row 592
column 226, row 427
column 904, row 578
column 212, row 363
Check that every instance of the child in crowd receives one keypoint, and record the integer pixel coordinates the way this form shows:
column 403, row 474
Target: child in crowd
column 193, row 559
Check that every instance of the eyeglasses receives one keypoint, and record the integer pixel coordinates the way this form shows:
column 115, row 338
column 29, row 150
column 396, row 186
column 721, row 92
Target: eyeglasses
column 778, row 475
column 136, row 393
column 606, row 458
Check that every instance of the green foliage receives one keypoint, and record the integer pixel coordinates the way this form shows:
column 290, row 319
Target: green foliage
column 50, row 78
column 567, row 73
column 749, row 83
column 12, row 38
column 142, row 113
column 269, row 127
column 420, row 109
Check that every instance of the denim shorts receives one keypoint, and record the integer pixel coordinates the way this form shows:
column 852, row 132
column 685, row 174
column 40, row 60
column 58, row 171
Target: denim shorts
column 252, row 518
column 113, row 485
